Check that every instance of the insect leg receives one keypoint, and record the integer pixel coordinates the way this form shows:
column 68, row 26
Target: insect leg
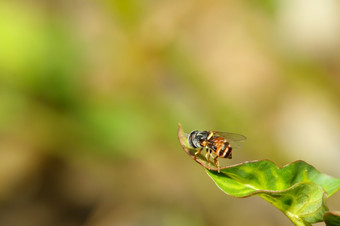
column 197, row 152
column 207, row 154
column 217, row 163
column 211, row 154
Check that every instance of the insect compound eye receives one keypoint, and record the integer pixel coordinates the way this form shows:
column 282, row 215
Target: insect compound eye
column 191, row 138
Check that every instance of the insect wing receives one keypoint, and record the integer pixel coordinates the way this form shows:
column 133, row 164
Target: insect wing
column 234, row 139
column 231, row 136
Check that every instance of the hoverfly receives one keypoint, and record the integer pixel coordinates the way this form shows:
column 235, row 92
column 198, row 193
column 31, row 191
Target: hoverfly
column 220, row 144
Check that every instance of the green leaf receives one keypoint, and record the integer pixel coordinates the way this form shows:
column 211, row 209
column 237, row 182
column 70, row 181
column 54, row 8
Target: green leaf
column 290, row 188
column 265, row 175
column 297, row 189
column 332, row 218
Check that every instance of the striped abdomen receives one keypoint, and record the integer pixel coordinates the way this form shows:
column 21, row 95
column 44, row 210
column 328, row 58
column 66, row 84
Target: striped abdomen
column 221, row 147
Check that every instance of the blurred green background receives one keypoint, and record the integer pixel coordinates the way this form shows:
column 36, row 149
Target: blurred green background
column 91, row 93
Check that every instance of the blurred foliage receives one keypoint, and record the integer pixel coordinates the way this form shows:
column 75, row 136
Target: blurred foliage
column 93, row 90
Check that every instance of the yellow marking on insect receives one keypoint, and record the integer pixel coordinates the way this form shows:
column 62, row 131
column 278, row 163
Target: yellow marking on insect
column 210, row 135
column 204, row 143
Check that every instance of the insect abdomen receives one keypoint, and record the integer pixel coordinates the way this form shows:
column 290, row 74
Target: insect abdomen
column 225, row 152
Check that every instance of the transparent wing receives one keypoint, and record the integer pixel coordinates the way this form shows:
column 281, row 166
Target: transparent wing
column 234, row 139
column 232, row 136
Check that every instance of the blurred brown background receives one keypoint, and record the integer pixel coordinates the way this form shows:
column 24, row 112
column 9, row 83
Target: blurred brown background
column 91, row 93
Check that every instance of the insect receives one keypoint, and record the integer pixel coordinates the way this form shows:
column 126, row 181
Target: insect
column 218, row 143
